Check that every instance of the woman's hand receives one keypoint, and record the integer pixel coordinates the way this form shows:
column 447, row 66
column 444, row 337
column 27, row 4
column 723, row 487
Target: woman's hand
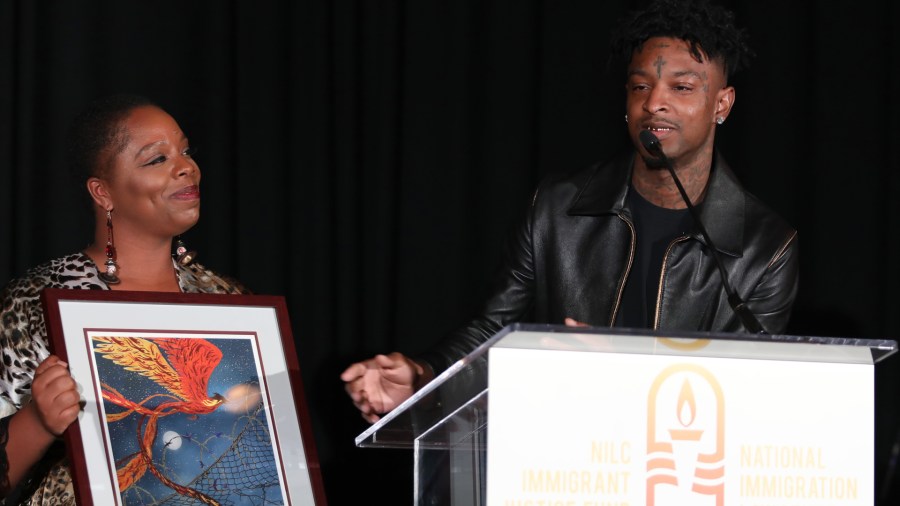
column 54, row 395
column 54, row 405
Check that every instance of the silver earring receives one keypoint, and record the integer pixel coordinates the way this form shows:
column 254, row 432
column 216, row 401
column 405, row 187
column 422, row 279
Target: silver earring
column 626, row 118
column 720, row 120
column 110, row 277
column 183, row 255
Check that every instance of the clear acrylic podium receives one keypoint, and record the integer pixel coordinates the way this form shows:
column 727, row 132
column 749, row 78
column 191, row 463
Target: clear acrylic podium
column 619, row 416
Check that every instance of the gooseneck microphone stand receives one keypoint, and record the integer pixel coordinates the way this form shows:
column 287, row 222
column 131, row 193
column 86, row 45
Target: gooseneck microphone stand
column 652, row 145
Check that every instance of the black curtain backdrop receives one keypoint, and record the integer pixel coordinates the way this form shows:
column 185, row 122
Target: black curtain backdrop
column 367, row 158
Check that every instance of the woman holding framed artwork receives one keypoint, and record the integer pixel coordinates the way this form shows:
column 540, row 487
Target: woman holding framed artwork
column 135, row 162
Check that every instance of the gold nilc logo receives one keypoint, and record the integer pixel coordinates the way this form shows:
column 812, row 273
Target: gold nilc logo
column 685, row 438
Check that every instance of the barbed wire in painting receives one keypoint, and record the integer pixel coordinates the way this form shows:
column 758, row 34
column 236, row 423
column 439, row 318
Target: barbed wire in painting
column 243, row 474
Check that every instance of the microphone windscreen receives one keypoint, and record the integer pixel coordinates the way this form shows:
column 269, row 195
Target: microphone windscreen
column 651, row 143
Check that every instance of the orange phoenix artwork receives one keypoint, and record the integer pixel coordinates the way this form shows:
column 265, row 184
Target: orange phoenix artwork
column 172, row 439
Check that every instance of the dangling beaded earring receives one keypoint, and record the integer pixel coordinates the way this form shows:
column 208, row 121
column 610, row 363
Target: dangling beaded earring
column 182, row 255
column 110, row 277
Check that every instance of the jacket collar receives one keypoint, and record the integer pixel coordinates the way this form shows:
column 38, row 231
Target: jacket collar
column 722, row 209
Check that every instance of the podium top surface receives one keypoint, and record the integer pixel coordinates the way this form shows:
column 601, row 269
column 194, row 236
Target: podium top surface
column 462, row 387
column 681, row 343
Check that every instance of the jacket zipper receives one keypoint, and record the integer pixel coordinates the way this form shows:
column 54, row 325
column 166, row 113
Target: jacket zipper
column 615, row 311
column 662, row 276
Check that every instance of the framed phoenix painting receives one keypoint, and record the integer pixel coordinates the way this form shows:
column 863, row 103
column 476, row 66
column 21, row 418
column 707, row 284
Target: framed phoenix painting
column 188, row 399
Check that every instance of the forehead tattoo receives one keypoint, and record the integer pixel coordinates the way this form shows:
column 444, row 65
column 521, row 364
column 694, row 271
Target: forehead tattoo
column 659, row 65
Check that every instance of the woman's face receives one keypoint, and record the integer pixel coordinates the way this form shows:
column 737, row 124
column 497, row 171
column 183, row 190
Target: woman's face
column 153, row 183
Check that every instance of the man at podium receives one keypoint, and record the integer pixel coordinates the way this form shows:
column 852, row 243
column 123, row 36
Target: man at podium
column 625, row 242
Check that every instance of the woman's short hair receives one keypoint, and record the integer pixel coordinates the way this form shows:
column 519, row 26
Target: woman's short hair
column 98, row 133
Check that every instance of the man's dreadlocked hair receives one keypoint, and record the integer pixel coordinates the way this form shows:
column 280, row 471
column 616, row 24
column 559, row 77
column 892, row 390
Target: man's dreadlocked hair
column 708, row 29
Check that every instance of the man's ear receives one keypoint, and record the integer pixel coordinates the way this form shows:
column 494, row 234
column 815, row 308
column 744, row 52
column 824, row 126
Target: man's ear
column 724, row 102
column 99, row 192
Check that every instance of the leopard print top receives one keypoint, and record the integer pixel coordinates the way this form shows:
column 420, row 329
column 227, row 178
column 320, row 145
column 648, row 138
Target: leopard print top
column 24, row 344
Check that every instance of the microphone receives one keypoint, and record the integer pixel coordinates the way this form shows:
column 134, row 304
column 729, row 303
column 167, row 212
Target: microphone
column 652, row 145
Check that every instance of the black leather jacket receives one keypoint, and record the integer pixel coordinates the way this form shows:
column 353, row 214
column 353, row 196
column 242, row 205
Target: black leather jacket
column 574, row 251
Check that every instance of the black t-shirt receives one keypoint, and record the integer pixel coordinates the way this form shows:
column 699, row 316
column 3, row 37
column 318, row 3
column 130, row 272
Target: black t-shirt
column 655, row 228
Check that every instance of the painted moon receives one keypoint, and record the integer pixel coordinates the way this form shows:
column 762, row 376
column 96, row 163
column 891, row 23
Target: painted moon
column 172, row 440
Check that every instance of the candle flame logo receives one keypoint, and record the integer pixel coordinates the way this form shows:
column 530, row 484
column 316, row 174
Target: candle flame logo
column 687, row 406
column 685, row 437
